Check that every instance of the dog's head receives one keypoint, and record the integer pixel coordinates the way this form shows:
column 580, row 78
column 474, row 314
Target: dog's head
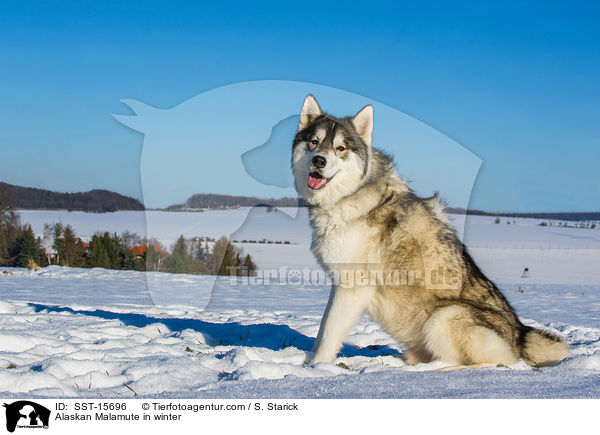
column 331, row 156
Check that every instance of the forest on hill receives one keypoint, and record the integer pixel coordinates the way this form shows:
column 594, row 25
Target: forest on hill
column 213, row 200
column 92, row 201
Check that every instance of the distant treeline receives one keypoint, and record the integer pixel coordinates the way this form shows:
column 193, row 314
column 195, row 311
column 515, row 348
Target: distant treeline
column 107, row 201
column 19, row 247
column 561, row 216
column 216, row 201
column 92, row 201
column 213, row 200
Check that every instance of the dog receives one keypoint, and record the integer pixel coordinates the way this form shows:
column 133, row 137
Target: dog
column 396, row 257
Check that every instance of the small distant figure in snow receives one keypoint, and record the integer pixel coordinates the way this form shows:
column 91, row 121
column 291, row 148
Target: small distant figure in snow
column 525, row 273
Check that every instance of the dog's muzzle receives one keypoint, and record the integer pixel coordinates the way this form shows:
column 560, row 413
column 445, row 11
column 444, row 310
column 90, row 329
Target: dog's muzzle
column 317, row 181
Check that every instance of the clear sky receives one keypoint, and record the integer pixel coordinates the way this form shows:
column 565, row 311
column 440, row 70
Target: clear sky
column 516, row 83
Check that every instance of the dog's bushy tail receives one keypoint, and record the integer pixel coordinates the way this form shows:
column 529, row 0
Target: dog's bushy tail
column 542, row 348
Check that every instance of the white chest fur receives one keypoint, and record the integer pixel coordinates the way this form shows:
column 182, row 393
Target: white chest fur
column 339, row 241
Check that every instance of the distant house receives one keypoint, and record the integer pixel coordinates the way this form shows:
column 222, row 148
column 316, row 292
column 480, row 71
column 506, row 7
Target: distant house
column 140, row 251
column 151, row 264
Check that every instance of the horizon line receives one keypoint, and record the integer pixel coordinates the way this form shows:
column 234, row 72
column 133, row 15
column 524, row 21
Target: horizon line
column 456, row 210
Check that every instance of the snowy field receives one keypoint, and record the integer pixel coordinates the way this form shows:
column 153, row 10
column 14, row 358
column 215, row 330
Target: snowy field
column 99, row 333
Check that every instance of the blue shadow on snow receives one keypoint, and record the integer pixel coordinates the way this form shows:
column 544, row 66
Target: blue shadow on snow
column 265, row 335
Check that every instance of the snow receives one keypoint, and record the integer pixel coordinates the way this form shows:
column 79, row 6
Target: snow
column 291, row 224
column 553, row 254
column 68, row 332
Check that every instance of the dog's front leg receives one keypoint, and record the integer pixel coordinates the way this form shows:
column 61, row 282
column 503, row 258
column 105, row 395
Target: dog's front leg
column 343, row 309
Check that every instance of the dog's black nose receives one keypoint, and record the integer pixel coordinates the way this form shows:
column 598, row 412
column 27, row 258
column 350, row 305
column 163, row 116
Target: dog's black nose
column 319, row 162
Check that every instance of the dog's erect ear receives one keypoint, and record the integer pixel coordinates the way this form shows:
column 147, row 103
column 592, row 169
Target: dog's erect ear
column 363, row 124
column 310, row 111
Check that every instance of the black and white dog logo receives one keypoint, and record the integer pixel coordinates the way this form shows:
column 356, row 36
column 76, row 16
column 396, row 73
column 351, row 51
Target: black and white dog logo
column 26, row 414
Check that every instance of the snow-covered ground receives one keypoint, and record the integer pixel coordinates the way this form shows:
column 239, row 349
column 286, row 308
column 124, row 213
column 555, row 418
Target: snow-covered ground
column 89, row 332
column 291, row 224
column 553, row 254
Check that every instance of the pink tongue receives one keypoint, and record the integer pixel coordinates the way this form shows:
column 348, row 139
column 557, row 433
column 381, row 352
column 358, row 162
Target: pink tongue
column 315, row 183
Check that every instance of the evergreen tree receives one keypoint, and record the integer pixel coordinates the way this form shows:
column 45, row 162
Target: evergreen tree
column 28, row 249
column 177, row 262
column 198, row 251
column 10, row 230
column 99, row 256
column 130, row 262
column 180, row 247
column 72, row 249
column 110, row 252
column 249, row 266
column 114, row 249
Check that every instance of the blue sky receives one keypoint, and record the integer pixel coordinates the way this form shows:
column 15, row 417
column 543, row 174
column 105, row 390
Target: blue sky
column 515, row 83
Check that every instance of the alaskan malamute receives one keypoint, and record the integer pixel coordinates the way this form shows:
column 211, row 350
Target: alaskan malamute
column 395, row 257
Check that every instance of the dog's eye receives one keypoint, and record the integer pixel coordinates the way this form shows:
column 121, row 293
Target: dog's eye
column 341, row 148
column 314, row 142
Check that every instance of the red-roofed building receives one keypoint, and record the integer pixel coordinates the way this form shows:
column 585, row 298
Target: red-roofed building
column 140, row 250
